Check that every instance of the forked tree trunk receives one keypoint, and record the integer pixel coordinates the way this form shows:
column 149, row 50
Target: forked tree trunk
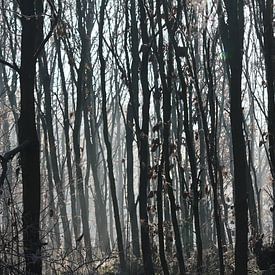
column 92, row 161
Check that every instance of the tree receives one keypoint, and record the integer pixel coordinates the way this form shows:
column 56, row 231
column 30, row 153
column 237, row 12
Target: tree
column 31, row 44
column 232, row 34
column 264, row 18
column 107, row 142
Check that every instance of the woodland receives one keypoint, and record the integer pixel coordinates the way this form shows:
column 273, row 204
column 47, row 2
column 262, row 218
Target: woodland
column 137, row 137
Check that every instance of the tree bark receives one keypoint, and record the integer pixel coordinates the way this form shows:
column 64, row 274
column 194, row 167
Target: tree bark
column 232, row 38
column 27, row 132
column 130, row 181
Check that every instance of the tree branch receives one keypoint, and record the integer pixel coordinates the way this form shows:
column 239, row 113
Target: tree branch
column 8, row 157
column 56, row 16
column 12, row 66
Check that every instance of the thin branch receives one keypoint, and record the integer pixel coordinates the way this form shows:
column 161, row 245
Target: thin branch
column 56, row 16
column 12, row 66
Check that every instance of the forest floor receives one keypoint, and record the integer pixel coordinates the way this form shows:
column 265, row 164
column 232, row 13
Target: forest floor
column 211, row 266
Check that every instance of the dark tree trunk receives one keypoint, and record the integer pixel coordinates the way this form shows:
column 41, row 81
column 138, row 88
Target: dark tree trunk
column 132, row 117
column 167, row 88
column 30, row 156
column 269, row 53
column 144, row 147
column 130, row 181
column 162, row 257
column 77, row 153
column 232, row 37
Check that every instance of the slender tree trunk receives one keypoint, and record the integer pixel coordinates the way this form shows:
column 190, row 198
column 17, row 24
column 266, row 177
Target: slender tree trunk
column 53, row 216
column 130, row 181
column 53, row 154
column 79, row 176
column 92, row 153
column 84, row 28
column 269, row 45
column 189, row 143
column 163, row 261
column 75, row 219
column 107, row 142
column 120, row 186
column 132, row 116
column 144, row 147
column 167, row 87
column 211, row 147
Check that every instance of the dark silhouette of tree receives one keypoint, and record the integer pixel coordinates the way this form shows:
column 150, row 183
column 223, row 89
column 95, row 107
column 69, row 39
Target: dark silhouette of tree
column 232, row 34
column 31, row 45
column 264, row 24
column 131, row 118
column 143, row 144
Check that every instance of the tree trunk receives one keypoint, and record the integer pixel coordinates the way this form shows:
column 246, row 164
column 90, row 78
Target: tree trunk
column 167, row 87
column 30, row 156
column 107, row 142
column 189, row 143
column 75, row 218
column 269, row 46
column 45, row 78
column 53, row 215
column 92, row 161
column 232, row 37
column 144, row 147
column 130, row 182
